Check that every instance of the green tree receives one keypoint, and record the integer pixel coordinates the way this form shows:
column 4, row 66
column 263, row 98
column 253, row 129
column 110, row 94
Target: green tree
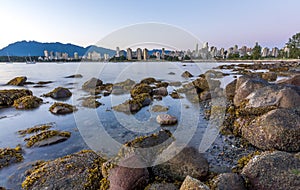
column 256, row 51
column 294, row 45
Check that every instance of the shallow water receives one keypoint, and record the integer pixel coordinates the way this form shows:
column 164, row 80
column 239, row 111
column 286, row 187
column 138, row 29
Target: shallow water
column 100, row 129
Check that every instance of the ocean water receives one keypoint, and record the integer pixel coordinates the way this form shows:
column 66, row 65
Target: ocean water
column 100, row 129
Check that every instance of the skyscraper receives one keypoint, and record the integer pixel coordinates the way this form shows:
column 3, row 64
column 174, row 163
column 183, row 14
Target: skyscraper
column 139, row 54
column 129, row 54
column 145, row 54
column 117, row 52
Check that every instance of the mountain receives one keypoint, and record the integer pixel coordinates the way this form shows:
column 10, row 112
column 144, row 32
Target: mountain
column 33, row 48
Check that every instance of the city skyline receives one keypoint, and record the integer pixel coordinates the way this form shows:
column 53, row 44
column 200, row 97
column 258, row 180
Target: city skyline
column 221, row 23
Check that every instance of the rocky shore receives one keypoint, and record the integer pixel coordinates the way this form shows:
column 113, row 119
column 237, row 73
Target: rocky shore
column 259, row 140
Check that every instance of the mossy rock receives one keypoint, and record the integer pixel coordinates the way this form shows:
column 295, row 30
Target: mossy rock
column 125, row 85
column 45, row 138
column 78, row 171
column 134, row 105
column 59, row 93
column 140, row 89
column 18, row 81
column 243, row 161
column 27, row 102
column 149, row 80
column 37, row 128
column 159, row 108
column 10, row 155
column 176, row 95
column 7, row 97
column 93, row 83
column 187, row 74
column 62, row 108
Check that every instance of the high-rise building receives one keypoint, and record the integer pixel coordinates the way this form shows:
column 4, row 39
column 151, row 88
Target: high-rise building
column 163, row 53
column 157, row 54
column 139, row 54
column 265, row 52
column 205, row 45
column 129, row 54
column 106, row 57
column 65, row 56
column 145, row 54
column 76, row 55
column 46, row 54
column 275, row 52
column 197, row 48
column 117, row 52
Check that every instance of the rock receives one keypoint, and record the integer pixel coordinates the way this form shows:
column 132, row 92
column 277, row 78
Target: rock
column 171, row 73
column 214, row 74
column 228, row 181
column 62, row 108
column 37, row 128
column 118, row 91
column 187, row 74
column 206, row 95
column 166, row 119
column 193, row 184
column 48, row 137
column 125, row 85
column 161, row 84
column 176, row 83
column 140, row 89
column 59, row 93
column 18, row 81
column 162, row 91
column 125, row 178
column 90, row 103
column 77, row 171
column 245, row 86
column 269, row 76
column 7, row 97
column 74, row 76
column 230, row 90
column 134, row 105
column 92, row 84
column 295, row 80
column 278, row 129
column 202, row 84
column 175, row 95
column 273, row 170
column 44, row 82
column 10, row 156
column 161, row 186
column 149, row 80
column 271, row 97
column 187, row 162
column 27, row 102
column 159, row 108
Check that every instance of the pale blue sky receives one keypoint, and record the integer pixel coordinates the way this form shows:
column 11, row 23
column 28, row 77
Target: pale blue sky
column 221, row 23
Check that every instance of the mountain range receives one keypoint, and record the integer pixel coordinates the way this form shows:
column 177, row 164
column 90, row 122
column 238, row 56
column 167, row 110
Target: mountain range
column 33, row 48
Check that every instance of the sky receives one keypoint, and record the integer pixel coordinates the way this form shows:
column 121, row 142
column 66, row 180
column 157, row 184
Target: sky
column 219, row 22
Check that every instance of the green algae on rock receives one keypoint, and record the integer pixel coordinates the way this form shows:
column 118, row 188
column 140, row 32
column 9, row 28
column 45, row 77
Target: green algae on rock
column 7, row 97
column 18, row 81
column 76, row 171
column 10, row 155
column 27, row 102
column 62, row 108
column 37, row 128
column 45, row 138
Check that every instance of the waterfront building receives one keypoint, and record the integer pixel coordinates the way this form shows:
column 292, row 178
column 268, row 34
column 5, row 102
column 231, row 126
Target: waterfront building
column 65, row 56
column 106, row 57
column 46, row 54
column 213, row 51
column 58, row 55
column 129, row 54
column 163, row 53
column 139, row 54
column 275, row 52
column 157, row 54
column 122, row 53
column 265, row 52
column 145, row 54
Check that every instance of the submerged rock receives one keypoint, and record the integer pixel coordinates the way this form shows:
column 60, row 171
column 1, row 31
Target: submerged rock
column 90, row 102
column 7, row 97
column 166, row 119
column 273, row 170
column 59, row 93
column 45, row 138
column 193, row 184
column 10, row 156
column 278, row 129
column 27, row 102
column 74, row 76
column 62, row 108
column 18, row 81
column 77, row 171
column 159, row 108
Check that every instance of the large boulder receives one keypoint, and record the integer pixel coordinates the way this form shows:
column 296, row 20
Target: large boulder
column 18, row 81
column 59, row 93
column 278, row 129
column 27, row 102
column 245, row 86
column 295, row 80
column 273, row 170
column 77, row 171
column 62, row 108
column 186, row 162
column 271, row 97
column 230, row 90
column 121, row 177
column 228, row 181
column 269, row 76
column 141, row 88
column 7, row 97
column 193, row 184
